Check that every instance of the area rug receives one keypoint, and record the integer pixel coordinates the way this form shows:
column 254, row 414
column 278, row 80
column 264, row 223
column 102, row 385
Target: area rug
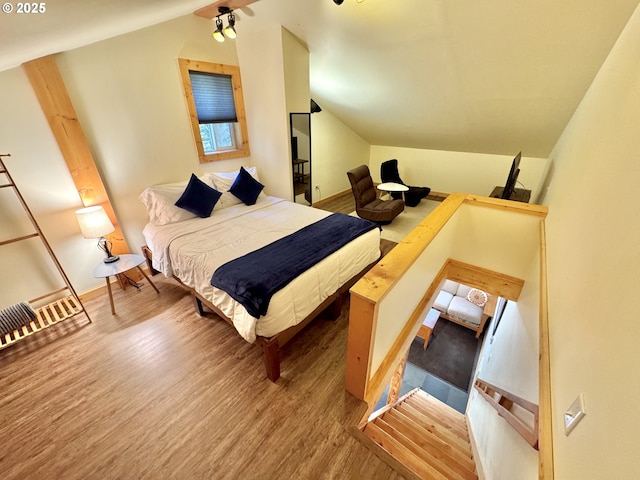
column 407, row 220
column 450, row 356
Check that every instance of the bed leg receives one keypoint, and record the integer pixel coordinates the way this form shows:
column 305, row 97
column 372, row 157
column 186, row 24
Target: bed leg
column 336, row 307
column 199, row 306
column 271, row 358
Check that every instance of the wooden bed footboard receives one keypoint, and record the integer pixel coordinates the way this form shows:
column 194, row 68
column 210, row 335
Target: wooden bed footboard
column 271, row 345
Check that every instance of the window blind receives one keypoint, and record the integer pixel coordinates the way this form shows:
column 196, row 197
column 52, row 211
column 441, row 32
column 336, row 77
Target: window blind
column 213, row 96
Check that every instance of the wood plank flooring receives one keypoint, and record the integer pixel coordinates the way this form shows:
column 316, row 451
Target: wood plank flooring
column 346, row 204
column 157, row 392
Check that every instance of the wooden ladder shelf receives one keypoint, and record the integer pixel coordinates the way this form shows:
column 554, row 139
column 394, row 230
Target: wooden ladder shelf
column 67, row 304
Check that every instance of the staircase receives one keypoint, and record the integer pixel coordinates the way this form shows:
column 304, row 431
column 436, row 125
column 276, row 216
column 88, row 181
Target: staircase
column 426, row 436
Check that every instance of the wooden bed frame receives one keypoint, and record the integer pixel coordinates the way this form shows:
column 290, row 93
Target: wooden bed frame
column 270, row 345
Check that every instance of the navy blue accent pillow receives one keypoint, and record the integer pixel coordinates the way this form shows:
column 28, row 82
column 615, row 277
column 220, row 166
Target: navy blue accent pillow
column 198, row 198
column 246, row 188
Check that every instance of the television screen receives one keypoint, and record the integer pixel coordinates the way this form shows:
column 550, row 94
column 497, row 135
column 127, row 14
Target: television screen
column 510, row 185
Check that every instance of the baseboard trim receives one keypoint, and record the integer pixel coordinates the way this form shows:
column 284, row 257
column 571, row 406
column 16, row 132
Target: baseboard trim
column 332, row 198
column 102, row 290
column 474, row 450
column 436, row 196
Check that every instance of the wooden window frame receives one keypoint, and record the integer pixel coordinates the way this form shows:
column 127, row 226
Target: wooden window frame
column 233, row 71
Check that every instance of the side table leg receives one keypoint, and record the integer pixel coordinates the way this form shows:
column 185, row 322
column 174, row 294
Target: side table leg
column 426, row 338
column 113, row 308
column 148, row 279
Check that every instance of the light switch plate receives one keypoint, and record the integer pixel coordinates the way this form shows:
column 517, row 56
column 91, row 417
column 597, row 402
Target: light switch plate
column 574, row 414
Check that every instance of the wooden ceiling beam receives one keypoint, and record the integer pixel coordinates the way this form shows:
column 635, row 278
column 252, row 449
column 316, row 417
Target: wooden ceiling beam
column 211, row 11
column 49, row 87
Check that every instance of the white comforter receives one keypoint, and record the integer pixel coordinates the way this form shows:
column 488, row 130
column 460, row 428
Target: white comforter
column 193, row 249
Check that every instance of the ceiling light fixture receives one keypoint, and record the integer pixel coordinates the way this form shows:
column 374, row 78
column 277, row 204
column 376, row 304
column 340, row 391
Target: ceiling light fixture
column 229, row 31
column 218, row 35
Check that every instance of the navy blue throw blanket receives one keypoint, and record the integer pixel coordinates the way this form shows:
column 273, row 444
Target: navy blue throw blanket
column 254, row 278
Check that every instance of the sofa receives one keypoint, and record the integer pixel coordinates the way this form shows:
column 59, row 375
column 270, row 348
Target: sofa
column 464, row 305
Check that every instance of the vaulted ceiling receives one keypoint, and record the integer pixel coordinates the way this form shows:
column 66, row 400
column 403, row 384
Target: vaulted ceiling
column 500, row 76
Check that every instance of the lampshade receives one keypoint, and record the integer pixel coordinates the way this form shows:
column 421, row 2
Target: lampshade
column 94, row 222
column 229, row 30
column 218, row 35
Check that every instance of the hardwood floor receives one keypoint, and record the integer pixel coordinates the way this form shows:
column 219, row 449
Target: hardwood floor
column 346, row 204
column 343, row 203
column 157, row 392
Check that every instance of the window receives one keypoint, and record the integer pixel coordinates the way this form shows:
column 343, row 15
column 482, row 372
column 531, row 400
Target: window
column 214, row 98
column 217, row 137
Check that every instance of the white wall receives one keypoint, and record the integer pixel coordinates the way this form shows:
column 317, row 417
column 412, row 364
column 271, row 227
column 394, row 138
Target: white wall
column 40, row 173
column 397, row 306
column 296, row 73
column 129, row 99
column 448, row 172
column 296, row 81
column 593, row 259
column 336, row 149
column 510, row 362
column 260, row 51
column 128, row 95
column 504, row 455
column 504, row 242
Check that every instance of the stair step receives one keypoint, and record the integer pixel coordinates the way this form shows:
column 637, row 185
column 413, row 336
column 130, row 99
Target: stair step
column 401, row 453
column 427, row 440
column 446, row 460
column 444, row 414
column 447, row 411
column 432, row 425
column 426, row 436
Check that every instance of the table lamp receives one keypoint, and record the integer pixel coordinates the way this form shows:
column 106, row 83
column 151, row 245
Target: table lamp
column 94, row 223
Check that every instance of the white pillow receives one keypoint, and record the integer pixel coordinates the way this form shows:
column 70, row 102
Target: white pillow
column 442, row 301
column 463, row 291
column 222, row 182
column 160, row 202
column 450, row 286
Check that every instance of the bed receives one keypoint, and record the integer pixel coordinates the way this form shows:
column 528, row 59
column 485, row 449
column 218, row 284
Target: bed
column 192, row 249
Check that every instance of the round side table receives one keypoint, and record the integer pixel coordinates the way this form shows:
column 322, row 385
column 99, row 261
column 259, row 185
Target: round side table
column 393, row 187
column 127, row 261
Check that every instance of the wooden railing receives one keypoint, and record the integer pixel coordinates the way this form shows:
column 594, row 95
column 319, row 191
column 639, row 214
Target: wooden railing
column 504, row 402
column 545, row 458
column 369, row 371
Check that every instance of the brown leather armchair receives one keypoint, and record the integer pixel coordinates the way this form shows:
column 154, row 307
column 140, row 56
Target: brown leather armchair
column 368, row 205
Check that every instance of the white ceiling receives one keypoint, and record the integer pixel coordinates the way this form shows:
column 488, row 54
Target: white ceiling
column 497, row 76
